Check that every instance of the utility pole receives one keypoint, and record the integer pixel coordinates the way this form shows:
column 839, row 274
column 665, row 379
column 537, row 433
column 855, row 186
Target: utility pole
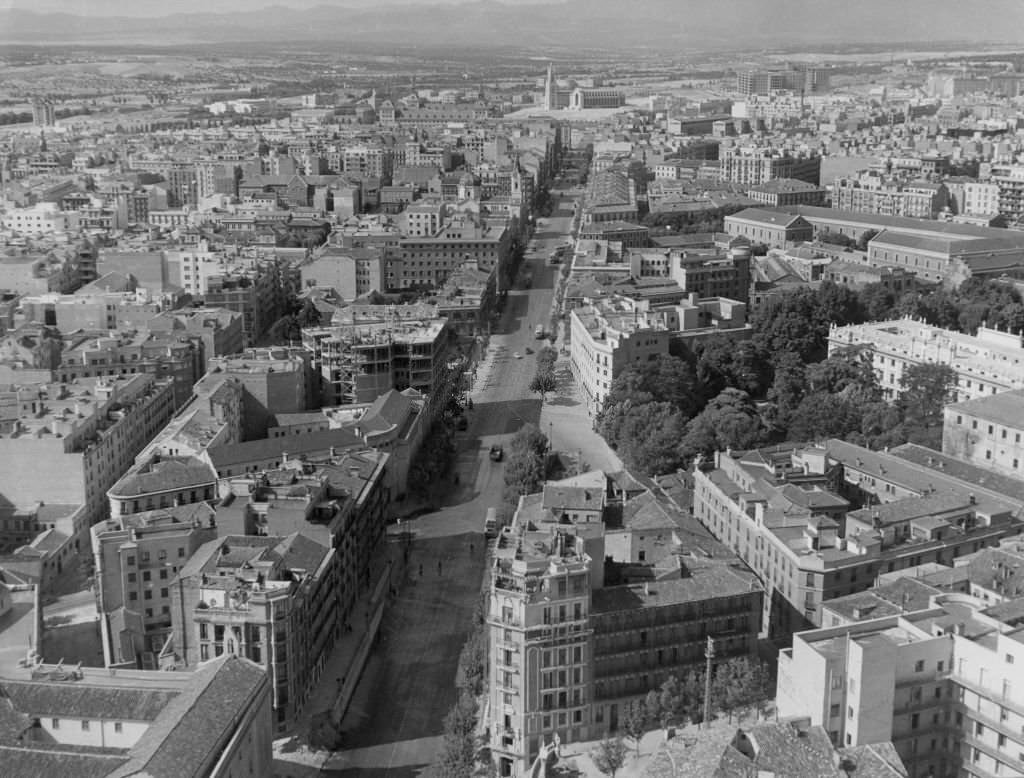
column 709, row 655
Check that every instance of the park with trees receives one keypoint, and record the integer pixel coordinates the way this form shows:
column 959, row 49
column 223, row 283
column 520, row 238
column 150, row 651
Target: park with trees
column 781, row 385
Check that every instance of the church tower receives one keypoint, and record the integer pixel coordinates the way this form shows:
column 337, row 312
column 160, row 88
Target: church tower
column 549, row 90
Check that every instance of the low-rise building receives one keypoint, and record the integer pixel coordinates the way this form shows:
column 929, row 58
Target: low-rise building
column 987, row 431
column 773, row 228
column 213, row 723
column 788, row 191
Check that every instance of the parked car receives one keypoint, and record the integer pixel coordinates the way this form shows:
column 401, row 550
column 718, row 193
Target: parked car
column 497, row 452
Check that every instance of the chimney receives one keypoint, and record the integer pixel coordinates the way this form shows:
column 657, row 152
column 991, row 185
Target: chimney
column 647, row 589
column 972, row 499
column 334, row 452
column 284, row 457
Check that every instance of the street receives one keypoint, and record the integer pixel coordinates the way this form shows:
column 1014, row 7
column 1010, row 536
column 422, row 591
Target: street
column 394, row 724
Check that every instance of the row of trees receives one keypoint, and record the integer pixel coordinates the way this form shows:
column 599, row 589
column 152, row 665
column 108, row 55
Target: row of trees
column 779, row 385
column 738, row 686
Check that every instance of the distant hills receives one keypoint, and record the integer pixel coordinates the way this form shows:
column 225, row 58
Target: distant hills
column 675, row 25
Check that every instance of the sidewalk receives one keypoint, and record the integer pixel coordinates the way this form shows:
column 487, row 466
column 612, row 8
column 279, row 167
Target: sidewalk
column 565, row 420
column 304, row 751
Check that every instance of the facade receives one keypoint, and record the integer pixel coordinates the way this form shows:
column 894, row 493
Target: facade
column 136, row 558
column 1009, row 179
column 567, row 650
column 757, row 165
column 780, row 192
column 986, row 364
column 160, row 481
column 946, row 260
column 789, row 512
column 872, row 193
column 942, row 683
column 986, row 431
column 580, row 99
column 71, row 442
column 213, row 723
column 271, row 600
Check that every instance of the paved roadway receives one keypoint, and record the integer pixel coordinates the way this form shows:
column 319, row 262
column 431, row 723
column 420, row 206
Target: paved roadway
column 393, row 727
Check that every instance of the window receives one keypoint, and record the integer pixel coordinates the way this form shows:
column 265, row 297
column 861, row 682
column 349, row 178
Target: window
column 915, row 720
column 55, row 724
column 833, row 712
column 849, row 712
column 118, row 726
column 131, row 561
column 85, row 726
column 919, row 666
column 1009, row 659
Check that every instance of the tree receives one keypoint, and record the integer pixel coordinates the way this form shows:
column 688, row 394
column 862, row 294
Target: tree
column 634, row 722
column 822, row 415
column 649, row 437
column 524, row 466
column 924, row 390
column 730, row 420
column 609, row 756
column 309, row 315
column 543, row 382
column 457, row 745
column 865, row 238
column 788, row 388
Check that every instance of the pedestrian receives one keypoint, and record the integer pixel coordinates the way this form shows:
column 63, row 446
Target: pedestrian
column 439, row 567
column 421, row 569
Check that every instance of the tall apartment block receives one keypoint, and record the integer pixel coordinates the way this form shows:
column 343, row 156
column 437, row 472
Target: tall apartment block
column 137, row 557
column 808, row 80
column 567, row 649
column 987, row 431
column 943, row 683
column 819, row 522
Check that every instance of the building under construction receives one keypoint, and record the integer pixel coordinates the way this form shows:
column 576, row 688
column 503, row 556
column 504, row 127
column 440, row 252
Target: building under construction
column 359, row 362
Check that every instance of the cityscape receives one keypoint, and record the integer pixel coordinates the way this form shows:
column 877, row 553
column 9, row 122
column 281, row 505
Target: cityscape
column 512, row 389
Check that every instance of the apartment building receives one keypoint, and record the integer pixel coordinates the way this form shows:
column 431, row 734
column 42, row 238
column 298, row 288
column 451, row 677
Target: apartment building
column 271, row 600
column 136, row 558
column 795, row 516
column 567, row 651
column 352, row 273
column 213, row 723
column 1010, row 181
column 358, row 363
column 874, row 193
column 942, row 682
column 428, row 260
column 616, row 331
column 71, row 442
column 986, row 364
column 754, row 165
column 780, row 192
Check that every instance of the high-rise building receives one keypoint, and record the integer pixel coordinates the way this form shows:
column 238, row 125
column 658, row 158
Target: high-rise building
column 43, row 113
column 567, row 649
column 754, row 165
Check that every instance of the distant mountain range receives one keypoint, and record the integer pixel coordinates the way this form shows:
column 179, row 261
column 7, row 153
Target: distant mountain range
column 675, row 25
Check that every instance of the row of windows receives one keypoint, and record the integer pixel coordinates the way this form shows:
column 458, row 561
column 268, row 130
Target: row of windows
column 55, row 724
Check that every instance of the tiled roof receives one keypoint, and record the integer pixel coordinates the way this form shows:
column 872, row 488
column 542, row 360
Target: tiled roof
column 185, row 741
column 77, row 700
column 300, row 552
column 1006, row 408
column 20, row 762
column 167, row 474
column 273, row 448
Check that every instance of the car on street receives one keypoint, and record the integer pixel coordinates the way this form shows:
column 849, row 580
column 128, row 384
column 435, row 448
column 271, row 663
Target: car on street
column 497, row 452
column 517, row 355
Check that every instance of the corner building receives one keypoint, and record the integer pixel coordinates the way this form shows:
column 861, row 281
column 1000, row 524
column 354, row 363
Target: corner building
column 567, row 650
